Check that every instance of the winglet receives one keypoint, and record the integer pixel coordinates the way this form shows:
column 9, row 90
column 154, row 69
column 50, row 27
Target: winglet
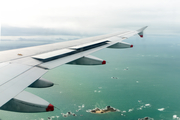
column 140, row 31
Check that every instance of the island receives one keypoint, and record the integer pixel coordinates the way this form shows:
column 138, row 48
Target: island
column 107, row 109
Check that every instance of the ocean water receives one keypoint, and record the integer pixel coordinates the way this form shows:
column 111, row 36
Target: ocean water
column 140, row 81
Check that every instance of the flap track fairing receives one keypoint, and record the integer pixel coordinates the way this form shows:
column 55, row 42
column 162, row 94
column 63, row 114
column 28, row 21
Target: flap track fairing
column 28, row 103
column 121, row 45
column 41, row 83
column 88, row 60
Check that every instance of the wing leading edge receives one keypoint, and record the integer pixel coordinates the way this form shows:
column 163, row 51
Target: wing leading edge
column 24, row 67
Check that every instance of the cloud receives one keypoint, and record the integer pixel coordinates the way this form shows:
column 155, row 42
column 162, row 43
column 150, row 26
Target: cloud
column 33, row 31
column 90, row 17
column 37, row 31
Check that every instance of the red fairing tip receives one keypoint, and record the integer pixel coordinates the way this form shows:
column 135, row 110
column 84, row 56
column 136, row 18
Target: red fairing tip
column 141, row 35
column 50, row 108
column 131, row 46
column 103, row 62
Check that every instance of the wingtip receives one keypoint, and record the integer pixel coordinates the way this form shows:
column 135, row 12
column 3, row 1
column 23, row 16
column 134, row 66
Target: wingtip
column 143, row 28
column 140, row 31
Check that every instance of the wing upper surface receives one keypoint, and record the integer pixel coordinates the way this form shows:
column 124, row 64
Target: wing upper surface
column 15, row 54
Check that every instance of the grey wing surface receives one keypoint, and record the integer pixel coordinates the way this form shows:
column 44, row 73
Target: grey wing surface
column 22, row 68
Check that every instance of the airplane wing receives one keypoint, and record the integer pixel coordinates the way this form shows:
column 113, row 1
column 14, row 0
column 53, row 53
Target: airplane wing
column 22, row 68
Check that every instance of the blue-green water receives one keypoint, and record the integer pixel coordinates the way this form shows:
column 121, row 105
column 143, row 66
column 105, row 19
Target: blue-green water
column 142, row 81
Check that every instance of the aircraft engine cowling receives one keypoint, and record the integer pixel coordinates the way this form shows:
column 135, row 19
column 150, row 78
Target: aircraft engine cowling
column 41, row 83
column 28, row 103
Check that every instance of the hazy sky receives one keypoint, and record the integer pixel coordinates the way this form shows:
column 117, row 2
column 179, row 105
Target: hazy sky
column 53, row 17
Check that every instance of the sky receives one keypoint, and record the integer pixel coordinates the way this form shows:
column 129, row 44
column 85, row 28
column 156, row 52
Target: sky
column 87, row 17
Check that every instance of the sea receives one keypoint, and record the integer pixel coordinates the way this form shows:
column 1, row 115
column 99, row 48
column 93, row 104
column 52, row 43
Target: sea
column 143, row 81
